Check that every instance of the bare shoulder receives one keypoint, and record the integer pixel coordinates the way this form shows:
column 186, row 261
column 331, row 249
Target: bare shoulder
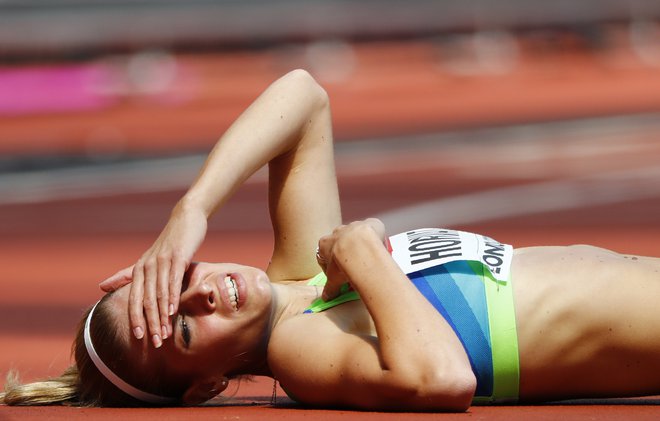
column 290, row 339
column 298, row 356
column 319, row 362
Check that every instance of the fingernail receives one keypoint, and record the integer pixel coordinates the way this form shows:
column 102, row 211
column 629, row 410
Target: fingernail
column 157, row 341
column 138, row 332
column 164, row 329
column 171, row 309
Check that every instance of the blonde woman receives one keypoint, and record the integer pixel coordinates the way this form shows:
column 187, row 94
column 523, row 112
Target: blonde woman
column 427, row 320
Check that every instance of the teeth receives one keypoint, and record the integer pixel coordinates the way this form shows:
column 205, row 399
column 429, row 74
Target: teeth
column 233, row 292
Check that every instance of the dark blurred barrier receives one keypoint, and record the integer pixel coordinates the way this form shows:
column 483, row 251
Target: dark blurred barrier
column 75, row 26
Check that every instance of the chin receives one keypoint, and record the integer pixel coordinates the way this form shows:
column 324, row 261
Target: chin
column 260, row 287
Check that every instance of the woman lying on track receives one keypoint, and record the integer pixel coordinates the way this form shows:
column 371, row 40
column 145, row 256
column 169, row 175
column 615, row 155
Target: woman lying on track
column 427, row 320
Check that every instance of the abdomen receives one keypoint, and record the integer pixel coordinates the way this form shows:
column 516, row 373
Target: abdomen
column 585, row 318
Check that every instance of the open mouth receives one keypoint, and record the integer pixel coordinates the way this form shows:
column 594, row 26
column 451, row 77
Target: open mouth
column 232, row 290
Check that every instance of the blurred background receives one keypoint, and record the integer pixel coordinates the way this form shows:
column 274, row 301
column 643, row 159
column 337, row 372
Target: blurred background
column 535, row 122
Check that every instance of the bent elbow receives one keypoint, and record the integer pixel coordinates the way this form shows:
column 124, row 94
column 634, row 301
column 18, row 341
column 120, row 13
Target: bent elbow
column 449, row 392
column 463, row 392
column 307, row 84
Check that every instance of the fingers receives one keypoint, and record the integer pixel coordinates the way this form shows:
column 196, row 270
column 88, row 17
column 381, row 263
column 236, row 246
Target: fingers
column 331, row 246
column 324, row 251
column 150, row 303
column 333, row 285
column 177, row 272
column 158, row 275
column 378, row 226
column 325, row 258
column 320, row 259
column 118, row 280
column 143, row 304
column 163, row 295
column 154, row 297
column 135, row 302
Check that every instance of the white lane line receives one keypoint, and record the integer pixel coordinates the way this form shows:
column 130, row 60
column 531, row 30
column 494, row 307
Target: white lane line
column 468, row 149
column 607, row 188
column 521, row 151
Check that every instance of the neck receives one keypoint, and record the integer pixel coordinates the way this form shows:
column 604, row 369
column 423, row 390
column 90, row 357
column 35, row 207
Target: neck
column 288, row 300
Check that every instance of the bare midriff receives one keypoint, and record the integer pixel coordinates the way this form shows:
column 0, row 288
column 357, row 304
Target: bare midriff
column 587, row 322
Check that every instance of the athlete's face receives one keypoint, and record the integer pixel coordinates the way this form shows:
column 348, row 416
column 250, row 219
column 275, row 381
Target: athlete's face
column 222, row 322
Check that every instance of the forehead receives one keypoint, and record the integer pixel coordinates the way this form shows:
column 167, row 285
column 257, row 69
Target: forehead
column 146, row 361
column 118, row 306
column 141, row 351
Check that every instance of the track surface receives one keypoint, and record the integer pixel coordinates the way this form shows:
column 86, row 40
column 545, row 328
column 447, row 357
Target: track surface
column 582, row 181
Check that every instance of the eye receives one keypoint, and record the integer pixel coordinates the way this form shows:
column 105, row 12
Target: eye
column 185, row 332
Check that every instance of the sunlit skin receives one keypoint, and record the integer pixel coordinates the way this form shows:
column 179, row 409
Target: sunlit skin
column 564, row 341
column 210, row 339
column 585, row 316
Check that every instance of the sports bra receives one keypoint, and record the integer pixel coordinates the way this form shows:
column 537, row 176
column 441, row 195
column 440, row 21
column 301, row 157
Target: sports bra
column 466, row 278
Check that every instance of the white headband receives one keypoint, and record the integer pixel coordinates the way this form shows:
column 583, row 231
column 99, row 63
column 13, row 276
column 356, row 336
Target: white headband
column 112, row 377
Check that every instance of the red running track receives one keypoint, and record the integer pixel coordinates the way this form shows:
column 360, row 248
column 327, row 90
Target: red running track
column 50, row 272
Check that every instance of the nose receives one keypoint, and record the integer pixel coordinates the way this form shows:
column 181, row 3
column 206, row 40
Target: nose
column 199, row 298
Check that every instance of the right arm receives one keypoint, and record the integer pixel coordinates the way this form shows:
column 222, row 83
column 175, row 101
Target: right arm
column 288, row 127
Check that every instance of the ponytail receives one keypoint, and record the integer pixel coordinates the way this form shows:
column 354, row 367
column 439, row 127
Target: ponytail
column 62, row 390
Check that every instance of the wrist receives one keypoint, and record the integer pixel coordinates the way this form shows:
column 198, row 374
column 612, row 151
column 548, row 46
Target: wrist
column 360, row 250
column 190, row 204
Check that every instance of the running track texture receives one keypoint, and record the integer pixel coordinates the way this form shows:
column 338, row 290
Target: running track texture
column 583, row 180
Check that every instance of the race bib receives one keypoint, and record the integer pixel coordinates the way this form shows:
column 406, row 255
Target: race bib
column 427, row 247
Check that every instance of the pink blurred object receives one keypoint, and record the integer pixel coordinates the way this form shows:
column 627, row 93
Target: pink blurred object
column 54, row 89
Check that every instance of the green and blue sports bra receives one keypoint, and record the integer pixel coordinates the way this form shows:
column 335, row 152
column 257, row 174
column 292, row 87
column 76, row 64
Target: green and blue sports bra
column 466, row 278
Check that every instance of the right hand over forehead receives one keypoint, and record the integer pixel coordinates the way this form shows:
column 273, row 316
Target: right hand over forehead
column 157, row 276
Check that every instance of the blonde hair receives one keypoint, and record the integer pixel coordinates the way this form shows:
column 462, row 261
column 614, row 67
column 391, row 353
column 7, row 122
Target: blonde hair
column 62, row 389
column 82, row 384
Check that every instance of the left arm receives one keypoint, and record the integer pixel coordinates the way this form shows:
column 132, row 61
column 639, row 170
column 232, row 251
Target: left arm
column 415, row 362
